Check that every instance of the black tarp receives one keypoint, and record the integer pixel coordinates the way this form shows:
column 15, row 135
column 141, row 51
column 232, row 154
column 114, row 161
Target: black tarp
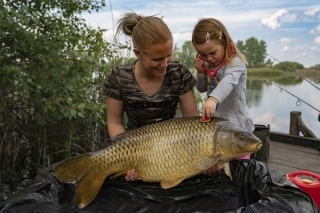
column 255, row 188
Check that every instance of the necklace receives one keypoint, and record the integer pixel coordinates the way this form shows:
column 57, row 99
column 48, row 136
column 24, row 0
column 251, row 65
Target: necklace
column 213, row 72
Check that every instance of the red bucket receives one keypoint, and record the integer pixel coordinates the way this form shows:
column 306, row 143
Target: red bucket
column 310, row 187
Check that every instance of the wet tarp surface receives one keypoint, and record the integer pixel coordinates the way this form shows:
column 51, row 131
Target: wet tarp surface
column 255, row 188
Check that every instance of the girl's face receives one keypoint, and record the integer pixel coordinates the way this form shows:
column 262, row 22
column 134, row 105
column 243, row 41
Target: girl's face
column 212, row 52
column 155, row 60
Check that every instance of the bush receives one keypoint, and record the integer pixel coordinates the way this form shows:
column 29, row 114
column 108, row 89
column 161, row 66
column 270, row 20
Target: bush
column 316, row 67
column 288, row 66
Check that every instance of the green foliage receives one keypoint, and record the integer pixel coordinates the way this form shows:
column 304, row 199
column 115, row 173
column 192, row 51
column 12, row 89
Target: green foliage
column 264, row 72
column 288, row 66
column 54, row 58
column 316, row 67
column 53, row 66
column 186, row 54
column 288, row 80
column 241, row 46
column 269, row 63
column 255, row 52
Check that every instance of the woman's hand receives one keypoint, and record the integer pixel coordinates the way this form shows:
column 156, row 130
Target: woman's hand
column 214, row 169
column 209, row 107
column 132, row 175
column 198, row 65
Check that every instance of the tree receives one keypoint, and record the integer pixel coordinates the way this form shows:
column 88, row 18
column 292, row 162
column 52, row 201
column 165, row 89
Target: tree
column 186, row 55
column 52, row 67
column 269, row 63
column 49, row 56
column 254, row 50
column 241, row 46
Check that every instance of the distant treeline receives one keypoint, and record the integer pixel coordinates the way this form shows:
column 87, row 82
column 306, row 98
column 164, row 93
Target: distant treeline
column 254, row 50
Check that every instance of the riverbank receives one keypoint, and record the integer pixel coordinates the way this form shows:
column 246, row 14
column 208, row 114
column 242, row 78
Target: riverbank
column 306, row 72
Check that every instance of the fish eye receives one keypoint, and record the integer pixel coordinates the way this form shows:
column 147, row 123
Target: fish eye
column 242, row 137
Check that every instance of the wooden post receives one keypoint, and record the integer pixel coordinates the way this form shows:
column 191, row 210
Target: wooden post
column 297, row 125
column 294, row 127
column 304, row 129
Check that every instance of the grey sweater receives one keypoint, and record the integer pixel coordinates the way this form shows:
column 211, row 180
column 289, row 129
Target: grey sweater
column 230, row 92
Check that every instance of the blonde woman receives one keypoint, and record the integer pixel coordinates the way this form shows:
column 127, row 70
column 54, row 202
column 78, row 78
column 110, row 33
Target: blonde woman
column 149, row 89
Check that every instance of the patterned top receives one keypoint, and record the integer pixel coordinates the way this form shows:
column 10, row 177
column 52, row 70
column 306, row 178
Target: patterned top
column 141, row 108
column 230, row 91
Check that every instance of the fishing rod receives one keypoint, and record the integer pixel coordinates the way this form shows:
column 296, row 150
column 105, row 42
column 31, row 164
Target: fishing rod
column 283, row 64
column 298, row 103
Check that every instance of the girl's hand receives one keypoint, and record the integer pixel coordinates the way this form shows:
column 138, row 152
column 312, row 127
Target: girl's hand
column 209, row 107
column 214, row 169
column 198, row 65
column 132, row 175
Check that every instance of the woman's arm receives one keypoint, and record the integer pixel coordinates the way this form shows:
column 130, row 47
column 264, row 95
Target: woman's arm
column 114, row 117
column 188, row 104
column 115, row 127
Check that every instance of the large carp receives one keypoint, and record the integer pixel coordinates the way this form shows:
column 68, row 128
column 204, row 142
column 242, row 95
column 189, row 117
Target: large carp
column 166, row 152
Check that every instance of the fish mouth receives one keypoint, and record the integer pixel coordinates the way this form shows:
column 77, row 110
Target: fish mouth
column 258, row 147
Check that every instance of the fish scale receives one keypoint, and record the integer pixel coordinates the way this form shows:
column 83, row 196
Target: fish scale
column 167, row 152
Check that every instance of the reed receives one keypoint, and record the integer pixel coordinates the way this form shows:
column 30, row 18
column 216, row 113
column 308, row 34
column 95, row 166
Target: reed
column 265, row 72
column 310, row 73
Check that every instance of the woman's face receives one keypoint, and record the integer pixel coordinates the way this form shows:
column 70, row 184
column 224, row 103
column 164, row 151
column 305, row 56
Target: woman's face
column 212, row 52
column 155, row 60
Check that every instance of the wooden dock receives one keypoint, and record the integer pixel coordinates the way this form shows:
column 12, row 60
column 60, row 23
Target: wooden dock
column 292, row 153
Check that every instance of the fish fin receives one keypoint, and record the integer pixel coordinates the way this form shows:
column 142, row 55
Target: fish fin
column 87, row 189
column 166, row 184
column 227, row 170
column 73, row 169
column 205, row 162
column 76, row 170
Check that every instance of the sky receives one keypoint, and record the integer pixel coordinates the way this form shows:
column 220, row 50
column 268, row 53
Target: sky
column 290, row 28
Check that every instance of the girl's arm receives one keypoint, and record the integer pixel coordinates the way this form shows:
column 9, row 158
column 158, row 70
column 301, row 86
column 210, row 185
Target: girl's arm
column 201, row 76
column 230, row 80
column 188, row 104
column 114, row 116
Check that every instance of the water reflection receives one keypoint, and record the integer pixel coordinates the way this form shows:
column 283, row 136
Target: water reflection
column 268, row 104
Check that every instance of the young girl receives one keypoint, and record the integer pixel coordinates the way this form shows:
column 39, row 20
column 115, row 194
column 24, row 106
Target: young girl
column 221, row 71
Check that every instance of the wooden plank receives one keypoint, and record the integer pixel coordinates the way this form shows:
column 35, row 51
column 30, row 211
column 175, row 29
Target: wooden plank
column 288, row 158
column 303, row 149
column 297, row 140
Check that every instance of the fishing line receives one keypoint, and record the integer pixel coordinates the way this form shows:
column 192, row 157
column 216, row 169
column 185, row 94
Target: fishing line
column 283, row 64
column 298, row 103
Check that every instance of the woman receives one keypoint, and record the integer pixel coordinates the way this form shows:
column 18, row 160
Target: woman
column 149, row 89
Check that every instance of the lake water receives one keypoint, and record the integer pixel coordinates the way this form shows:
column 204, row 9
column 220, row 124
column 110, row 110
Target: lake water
column 268, row 104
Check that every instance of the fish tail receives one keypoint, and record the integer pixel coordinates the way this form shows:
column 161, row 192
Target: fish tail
column 77, row 170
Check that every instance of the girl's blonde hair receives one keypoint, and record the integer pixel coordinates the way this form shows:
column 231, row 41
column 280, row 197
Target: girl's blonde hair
column 144, row 30
column 217, row 32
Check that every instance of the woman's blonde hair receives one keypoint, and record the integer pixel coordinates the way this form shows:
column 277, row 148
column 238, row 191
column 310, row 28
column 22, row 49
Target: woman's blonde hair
column 144, row 30
column 217, row 32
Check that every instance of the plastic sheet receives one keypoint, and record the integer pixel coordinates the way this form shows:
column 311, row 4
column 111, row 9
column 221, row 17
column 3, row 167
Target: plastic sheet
column 255, row 188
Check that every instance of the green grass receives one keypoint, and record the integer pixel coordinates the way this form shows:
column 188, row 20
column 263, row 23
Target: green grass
column 265, row 72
